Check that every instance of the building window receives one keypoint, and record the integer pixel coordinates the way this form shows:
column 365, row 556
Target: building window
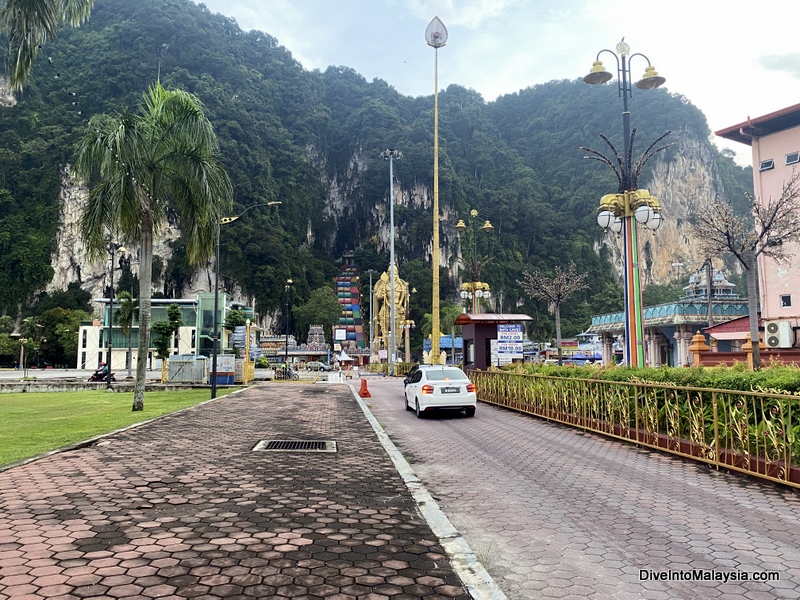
column 766, row 165
column 194, row 338
column 83, row 340
column 786, row 300
column 793, row 158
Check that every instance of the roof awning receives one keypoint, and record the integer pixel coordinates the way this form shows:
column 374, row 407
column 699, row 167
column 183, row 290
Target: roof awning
column 491, row 318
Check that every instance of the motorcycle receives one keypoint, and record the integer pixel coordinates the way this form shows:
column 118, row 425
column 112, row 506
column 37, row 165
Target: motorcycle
column 101, row 376
column 287, row 374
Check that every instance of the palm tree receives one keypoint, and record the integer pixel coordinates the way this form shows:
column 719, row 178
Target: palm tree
column 447, row 319
column 166, row 158
column 448, row 314
column 28, row 24
column 125, row 313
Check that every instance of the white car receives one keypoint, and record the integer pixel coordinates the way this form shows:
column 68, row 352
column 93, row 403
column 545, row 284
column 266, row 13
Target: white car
column 440, row 388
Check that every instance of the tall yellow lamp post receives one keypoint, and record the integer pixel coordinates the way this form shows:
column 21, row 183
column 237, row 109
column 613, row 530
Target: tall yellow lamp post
column 622, row 211
column 436, row 36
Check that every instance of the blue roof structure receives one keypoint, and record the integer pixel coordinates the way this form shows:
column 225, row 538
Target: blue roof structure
column 444, row 343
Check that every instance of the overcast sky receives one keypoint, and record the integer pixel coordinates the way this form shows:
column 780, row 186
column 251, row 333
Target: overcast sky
column 730, row 59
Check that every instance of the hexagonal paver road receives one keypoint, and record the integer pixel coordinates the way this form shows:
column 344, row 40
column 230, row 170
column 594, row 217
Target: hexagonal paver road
column 556, row 513
column 182, row 507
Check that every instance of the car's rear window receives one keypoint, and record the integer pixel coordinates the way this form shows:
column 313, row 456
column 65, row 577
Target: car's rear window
column 444, row 374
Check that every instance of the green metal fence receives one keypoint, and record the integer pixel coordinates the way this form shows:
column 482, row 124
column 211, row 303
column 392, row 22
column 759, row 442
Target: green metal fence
column 750, row 432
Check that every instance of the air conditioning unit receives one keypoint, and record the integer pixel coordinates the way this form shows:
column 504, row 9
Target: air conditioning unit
column 779, row 334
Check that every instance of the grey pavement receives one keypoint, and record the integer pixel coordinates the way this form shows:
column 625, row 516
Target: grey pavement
column 553, row 512
column 183, row 507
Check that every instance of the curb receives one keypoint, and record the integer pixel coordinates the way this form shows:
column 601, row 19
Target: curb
column 473, row 575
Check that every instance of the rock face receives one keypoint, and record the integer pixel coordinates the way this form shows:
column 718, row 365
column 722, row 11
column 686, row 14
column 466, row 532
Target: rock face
column 7, row 97
column 70, row 261
column 678, row 179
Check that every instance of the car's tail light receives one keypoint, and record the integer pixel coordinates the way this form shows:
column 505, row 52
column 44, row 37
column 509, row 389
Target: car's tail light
column 427, row 389
column 471, row 387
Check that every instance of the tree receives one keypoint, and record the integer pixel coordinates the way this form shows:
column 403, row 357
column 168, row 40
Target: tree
column 6, row 324
column 321, row 309
column 554, row 290
column 139, row 168
column 234, row 319
column 448, row 313
column 125, row 314
column 166, row 330
column 718, row 228
column 28, row 24
column 161, row 343
column 59, row 337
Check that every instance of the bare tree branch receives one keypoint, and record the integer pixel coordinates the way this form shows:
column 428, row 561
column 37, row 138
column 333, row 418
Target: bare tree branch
column 719, row 229
column 556, row 289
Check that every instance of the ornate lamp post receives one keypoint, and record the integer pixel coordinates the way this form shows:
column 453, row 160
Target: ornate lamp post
column 286, row 289
column 390, row 155
column 113, row 248
column 215, row 350
column 622, row 211
column 475, row 289
column 435, row 36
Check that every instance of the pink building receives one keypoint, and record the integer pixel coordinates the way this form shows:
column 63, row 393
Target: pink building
column 775, row 142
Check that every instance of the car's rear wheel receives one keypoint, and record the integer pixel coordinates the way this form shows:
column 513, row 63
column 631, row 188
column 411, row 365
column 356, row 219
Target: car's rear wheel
column 470, row 411
column 418, row 411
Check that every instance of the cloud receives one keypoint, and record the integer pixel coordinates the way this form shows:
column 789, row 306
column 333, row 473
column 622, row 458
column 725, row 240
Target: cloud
column 789, row 63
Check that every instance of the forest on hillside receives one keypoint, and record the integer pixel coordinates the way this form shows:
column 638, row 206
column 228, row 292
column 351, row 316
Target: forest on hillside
column 300, row 137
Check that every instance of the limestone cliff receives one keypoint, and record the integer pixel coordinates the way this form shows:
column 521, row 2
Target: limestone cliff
column 679, row 179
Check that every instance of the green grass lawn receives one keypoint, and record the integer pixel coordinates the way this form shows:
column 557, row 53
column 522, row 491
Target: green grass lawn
column 32, row 423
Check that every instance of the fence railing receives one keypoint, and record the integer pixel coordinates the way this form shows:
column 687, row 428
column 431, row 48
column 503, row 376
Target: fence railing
column 401, row 369
column 750, row 432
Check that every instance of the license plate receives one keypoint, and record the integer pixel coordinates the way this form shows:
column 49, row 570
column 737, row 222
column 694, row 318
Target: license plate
column 450, row 390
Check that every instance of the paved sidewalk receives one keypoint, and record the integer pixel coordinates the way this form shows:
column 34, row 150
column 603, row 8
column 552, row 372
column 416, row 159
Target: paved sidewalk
column 182, row 507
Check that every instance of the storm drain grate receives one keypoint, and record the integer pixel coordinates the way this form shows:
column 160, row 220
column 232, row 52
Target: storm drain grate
column 295, row 446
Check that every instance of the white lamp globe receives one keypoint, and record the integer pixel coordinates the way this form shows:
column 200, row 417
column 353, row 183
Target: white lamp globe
column 655, row 221
column 643, row 214
column 605, row 218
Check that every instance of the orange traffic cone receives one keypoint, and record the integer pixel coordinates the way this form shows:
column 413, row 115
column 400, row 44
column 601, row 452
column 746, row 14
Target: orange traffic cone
column 364, row 392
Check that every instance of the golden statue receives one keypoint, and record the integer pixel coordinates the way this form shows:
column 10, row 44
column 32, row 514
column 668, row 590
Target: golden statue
column 383, row 301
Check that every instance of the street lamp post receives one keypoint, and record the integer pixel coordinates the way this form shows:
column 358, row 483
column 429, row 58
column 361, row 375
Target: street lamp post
column 286, row 289
column 215, row 334
column 391, row 155
column 408, row 325
column 22, row 342
column 475, row 289
column 622, row 211
column 436, row 37
column 113, row 247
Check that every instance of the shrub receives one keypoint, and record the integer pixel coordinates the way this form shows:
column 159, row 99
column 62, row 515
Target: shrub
column 775, row 377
